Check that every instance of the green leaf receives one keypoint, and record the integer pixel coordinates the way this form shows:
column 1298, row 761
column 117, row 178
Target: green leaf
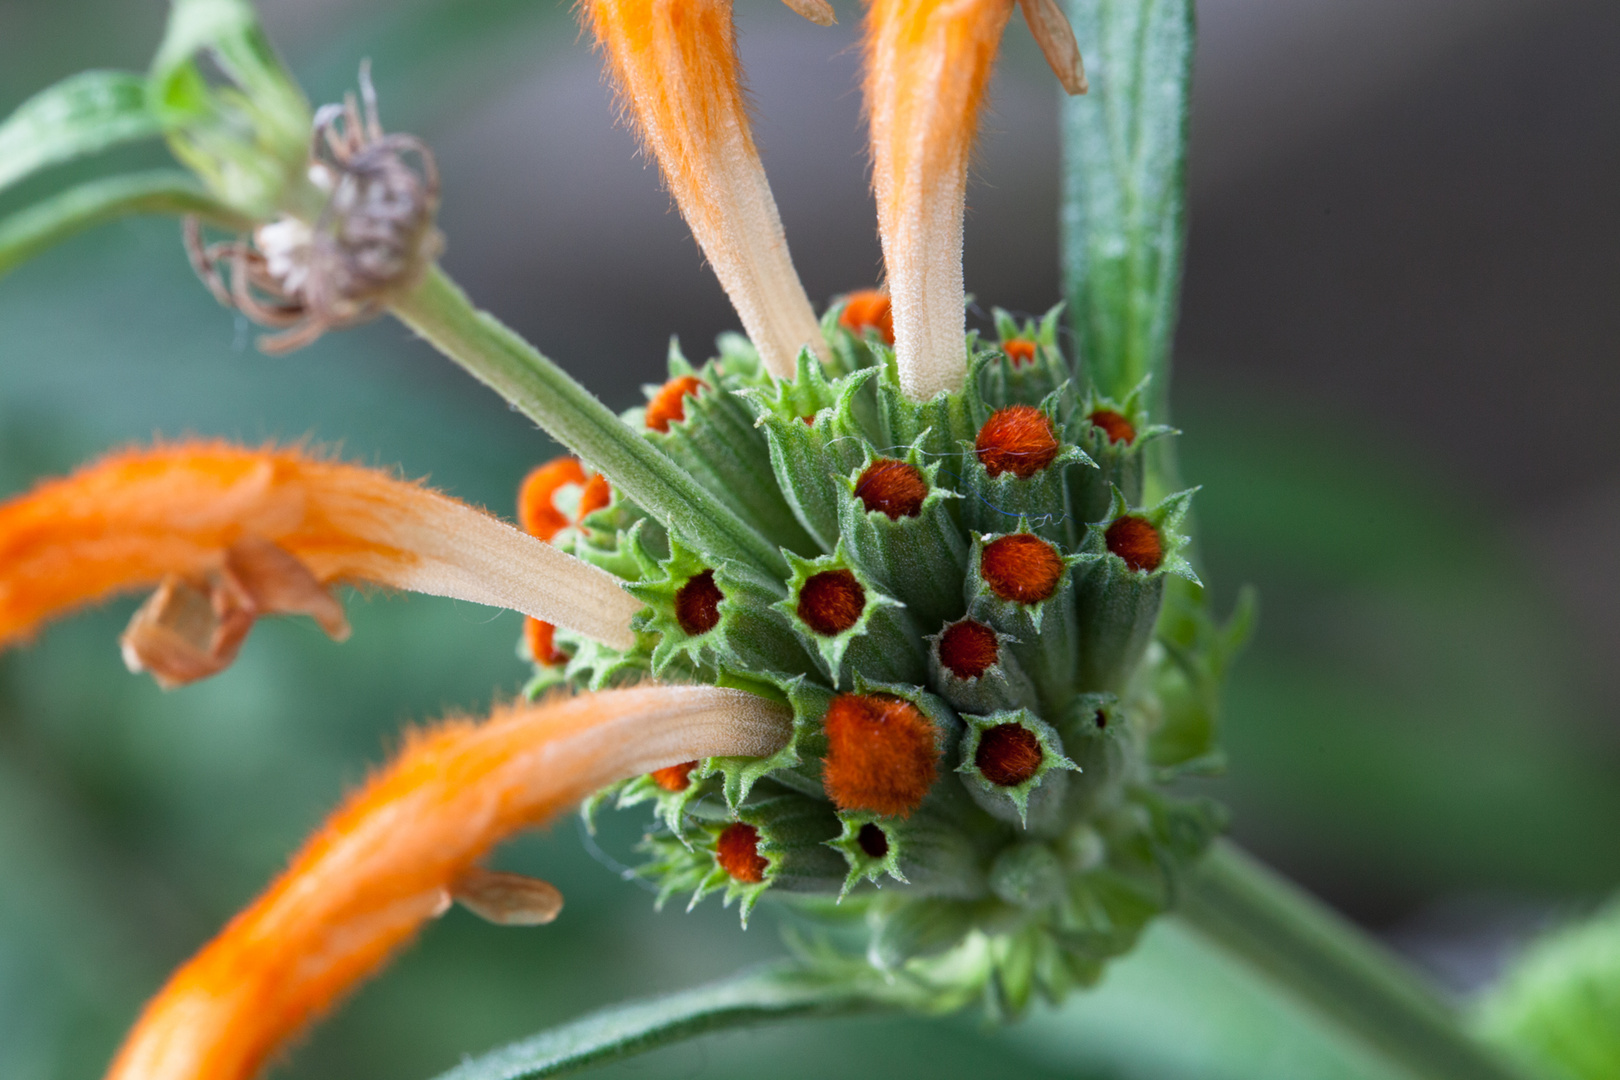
column 1557, row 1005
column 81, row 115
column 1124, row 200
column 774, row 992
column 28, row 232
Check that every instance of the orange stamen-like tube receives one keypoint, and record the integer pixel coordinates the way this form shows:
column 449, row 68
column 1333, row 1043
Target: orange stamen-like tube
column 140, row 517
column 675, row 62
column 927, row 65
column 390, row 858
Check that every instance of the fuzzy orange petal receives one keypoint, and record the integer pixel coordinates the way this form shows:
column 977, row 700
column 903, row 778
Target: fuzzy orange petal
column 928, row 64
column 675, row 63
column 138, row 517
column 388, row 859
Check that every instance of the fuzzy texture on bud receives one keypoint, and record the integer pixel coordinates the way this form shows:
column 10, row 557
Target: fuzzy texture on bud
column 1135, row 540
column 831, row 602
column 1021, row 568
column 1018, row 439
column 882, row 754
column 893, row 488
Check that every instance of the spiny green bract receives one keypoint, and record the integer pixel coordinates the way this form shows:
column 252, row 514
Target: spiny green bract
column 995, row 884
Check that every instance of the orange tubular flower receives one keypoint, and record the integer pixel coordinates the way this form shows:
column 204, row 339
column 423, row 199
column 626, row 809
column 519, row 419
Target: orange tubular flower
column 927, row 65
column 402, row 847
column 675, row 62
column 227, row 534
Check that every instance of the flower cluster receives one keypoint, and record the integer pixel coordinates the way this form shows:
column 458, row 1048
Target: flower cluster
column 877, row 614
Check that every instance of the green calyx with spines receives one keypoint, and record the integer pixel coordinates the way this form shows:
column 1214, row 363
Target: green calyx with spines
column 1002, row 889
column 1034, row 800
column 881, row 638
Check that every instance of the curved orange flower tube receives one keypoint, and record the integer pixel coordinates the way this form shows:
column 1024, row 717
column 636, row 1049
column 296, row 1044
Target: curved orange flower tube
column 230, row 533
column 675, row 62
column 927, row 65
column 392, row 856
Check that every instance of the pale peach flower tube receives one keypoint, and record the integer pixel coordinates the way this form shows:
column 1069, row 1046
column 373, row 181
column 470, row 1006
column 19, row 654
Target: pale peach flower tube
column 675, row 64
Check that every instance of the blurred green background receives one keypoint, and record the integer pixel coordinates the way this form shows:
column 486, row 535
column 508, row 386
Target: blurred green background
column 1397, row 374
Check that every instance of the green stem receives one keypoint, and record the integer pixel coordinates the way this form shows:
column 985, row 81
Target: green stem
column 780, row 991
column 438, row 310
column 1252, row 913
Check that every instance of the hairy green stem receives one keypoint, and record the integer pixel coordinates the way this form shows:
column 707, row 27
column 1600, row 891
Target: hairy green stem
column 1256, row 915
column 438, row 310
column 781, row 991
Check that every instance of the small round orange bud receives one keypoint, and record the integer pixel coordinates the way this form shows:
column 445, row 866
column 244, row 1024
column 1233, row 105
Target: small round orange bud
column 669, row 405
column 1008, row 754
column 1135, row 540
column 1017, row 439
column 1022, row 568
column 540, row 637
column 895, row 488
column 1020, row 351
column 882, row 754
column 737, row 852
column 968, row 649
column 873, row 840
column 868, row 310
column 537, row 513
column 675, row 778
column 1115, row 426
column 697, row 604
column 831, row 602
column 596, row 495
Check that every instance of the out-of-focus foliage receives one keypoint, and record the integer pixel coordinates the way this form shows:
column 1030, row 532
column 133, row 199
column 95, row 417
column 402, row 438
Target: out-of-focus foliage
column 1561, row 998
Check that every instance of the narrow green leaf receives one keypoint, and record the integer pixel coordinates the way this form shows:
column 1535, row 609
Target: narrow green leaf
column 81, row 115
column 28, row 232
column 1124, row 200
column 774, row 992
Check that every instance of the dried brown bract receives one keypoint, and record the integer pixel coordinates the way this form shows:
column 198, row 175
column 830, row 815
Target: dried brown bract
column 373, row 238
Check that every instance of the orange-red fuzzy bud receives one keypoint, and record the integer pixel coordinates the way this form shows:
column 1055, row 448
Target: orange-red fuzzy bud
column 538, row 511
column 868, row 309
column 1008, row 754
column 668, row 406
column 1115, row 426
column 968, row 649
column 893, row 487
column 1018, row 439
column 1022, row 568
column 831, row 602
column 882, row 754
column 1020, row 351
column 737, row 852
column 1135, row 540
column 676, row 778
column 697, row 604
column 540, row 636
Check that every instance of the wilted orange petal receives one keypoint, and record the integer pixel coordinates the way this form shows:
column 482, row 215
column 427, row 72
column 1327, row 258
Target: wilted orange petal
column 538, row 513
column 136, row 518
column 928, row 62
column 388, row 860
column 675, row 62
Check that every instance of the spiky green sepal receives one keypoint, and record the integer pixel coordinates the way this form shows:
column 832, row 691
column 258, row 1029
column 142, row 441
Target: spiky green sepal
column 882, row 639
column 1119, row 603
column 1034, row 801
